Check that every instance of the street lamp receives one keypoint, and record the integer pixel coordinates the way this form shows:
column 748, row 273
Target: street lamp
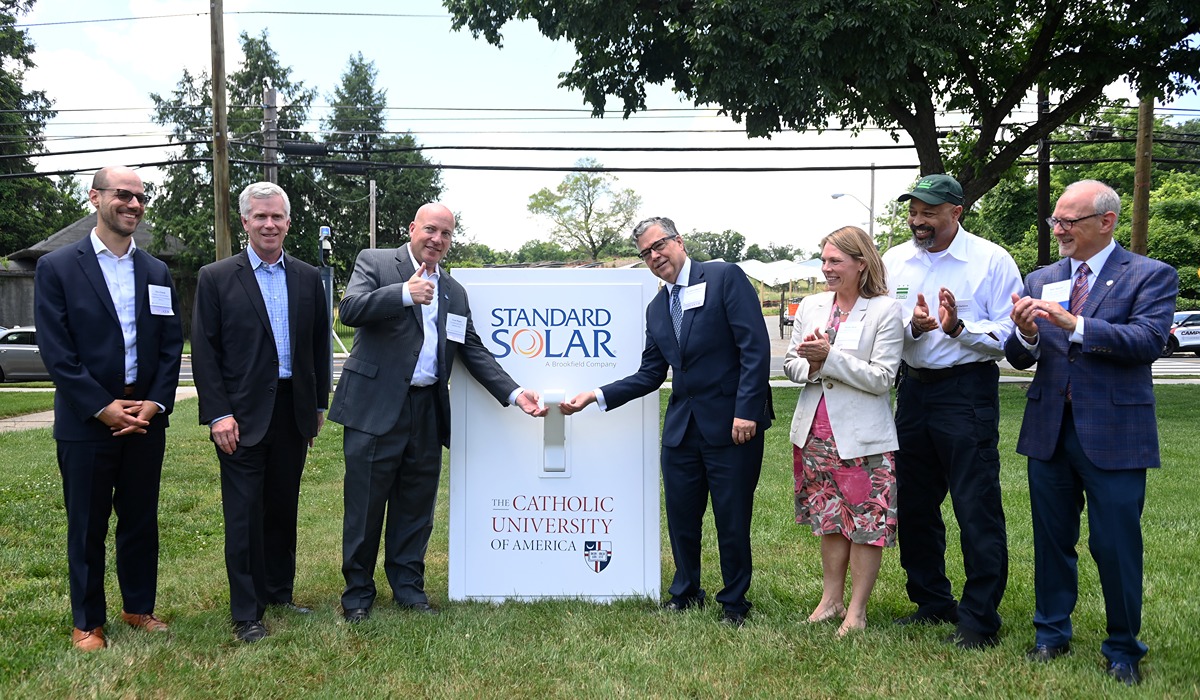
column 870, row 211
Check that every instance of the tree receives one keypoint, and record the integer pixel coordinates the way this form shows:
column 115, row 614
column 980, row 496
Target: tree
column 896, row 64
column 586, row 211
column 184, row 207
column 31, row 206
column 1102, row 148
column 727, row 245
column 541, row 251
column 355, row 132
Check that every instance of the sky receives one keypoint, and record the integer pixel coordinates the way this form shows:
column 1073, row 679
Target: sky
column 100, row 75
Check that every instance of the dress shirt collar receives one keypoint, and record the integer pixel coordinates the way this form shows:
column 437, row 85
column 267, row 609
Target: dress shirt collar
column 101, row 249
column 416, row 265
column 256, row 261
column 1097, row 261
column 684, row 275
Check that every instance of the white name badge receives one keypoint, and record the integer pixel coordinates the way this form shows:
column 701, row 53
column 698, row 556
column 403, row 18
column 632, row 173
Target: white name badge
column 1058, row 292
column 849, row 335
column 160, row 300
column 693, row 296
column 965, row 310
column 456, row 328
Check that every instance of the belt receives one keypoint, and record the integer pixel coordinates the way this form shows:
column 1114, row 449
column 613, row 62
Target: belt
column 128, row 391
column 413, row 388
column 931, row 376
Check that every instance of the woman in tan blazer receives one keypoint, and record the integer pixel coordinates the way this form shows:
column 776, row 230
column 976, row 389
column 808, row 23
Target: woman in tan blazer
column 845, row 352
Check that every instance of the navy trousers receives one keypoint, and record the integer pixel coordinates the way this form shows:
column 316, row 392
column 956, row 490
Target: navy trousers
column 1058, row 490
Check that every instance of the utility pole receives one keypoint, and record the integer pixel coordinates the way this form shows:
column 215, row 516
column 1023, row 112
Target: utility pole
column 1043, row 183
column 270, row 134
column 1140, row 225
column 871, row 205
column 216, row 15
column 372, row 245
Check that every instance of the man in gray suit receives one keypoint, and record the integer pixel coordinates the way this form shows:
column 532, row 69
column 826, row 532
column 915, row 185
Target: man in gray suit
column 411, row 320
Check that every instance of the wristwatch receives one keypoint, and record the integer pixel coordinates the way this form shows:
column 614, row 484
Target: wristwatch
column 958, row 328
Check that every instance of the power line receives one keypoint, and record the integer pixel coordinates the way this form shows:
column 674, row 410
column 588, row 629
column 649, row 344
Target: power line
column 497, row 168
column 104, row 20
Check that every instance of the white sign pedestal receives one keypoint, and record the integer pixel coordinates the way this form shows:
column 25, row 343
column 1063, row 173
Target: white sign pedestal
column 561, row 507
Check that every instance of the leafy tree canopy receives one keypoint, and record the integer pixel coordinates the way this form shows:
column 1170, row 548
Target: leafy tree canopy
column 897, row 64
column 31, row 207
column 355, row 132
column 586, row 211
column 727, row 245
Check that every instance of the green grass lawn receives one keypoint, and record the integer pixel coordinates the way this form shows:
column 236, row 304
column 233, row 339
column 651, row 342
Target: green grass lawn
column 18, row 403
column 568, row 649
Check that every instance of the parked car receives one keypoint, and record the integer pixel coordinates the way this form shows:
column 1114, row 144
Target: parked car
column 20, row 359
column 1185, row 333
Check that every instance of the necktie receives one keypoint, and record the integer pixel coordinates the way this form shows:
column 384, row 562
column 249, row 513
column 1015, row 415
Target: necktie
column 1079, row 290
column 676, row 311
column 1079, row 295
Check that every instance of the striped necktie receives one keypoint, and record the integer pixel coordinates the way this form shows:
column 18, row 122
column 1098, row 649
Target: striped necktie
column 1079, row 290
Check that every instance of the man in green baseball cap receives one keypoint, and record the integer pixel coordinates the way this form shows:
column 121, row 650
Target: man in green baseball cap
column 936, row 189
column 948, row 408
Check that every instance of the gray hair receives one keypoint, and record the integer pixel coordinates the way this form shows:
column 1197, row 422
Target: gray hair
column 662, row 222
column 262, row 190
column 1106, row 199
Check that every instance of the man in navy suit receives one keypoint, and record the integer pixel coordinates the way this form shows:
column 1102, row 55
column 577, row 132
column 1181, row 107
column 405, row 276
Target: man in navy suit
column 260, row 356
column 706, row 325
column 108, row 329
column 1093, row 323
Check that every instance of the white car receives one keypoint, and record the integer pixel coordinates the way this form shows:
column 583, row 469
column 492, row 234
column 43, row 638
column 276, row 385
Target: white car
column 1185, row 333
column 20, row 359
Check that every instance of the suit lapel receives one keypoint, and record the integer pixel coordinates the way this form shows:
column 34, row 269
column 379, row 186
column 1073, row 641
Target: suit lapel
column 91, row 270
column 1109, row 277
column 292, row 272
column 141, row 289
column 697, row 277
column 245, row 276
column 406, row 268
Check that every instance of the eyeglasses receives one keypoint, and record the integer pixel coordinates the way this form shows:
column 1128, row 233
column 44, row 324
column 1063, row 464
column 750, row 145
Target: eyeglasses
column 1068, row 224
column 126, row 195
column 655, row 247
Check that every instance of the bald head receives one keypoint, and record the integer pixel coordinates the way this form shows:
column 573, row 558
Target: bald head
column 430, row 233
column 105, row 176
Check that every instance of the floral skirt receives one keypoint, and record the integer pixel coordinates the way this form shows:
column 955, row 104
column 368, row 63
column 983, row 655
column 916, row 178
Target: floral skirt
column 855, row 497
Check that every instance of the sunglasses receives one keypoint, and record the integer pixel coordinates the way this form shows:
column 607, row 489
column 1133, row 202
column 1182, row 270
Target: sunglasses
column 126, row 195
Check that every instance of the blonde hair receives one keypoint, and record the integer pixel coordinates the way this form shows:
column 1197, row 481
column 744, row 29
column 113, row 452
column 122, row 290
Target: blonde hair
column 855, row 242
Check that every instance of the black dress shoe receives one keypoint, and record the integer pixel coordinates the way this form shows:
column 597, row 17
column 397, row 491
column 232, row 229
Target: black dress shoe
column 1044, row 652
column 965, row 638
column 298, row 609
column 356, row 615
column 1125, row 672
column 419, row 607
column 733, row 619
column 249, row 631
column 681, row 604
column 925, row 617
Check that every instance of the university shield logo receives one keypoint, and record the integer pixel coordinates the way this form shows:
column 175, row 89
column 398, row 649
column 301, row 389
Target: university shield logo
column 597, row 554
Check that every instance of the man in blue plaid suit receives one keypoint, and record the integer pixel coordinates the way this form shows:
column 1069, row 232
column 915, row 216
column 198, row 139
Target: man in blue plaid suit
column 1093, row 323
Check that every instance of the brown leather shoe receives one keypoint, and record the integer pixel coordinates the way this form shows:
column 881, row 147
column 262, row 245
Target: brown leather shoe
column 146, row 621
column 89, row 640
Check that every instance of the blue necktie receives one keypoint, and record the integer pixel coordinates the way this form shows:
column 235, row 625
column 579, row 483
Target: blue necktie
column 676, row 311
